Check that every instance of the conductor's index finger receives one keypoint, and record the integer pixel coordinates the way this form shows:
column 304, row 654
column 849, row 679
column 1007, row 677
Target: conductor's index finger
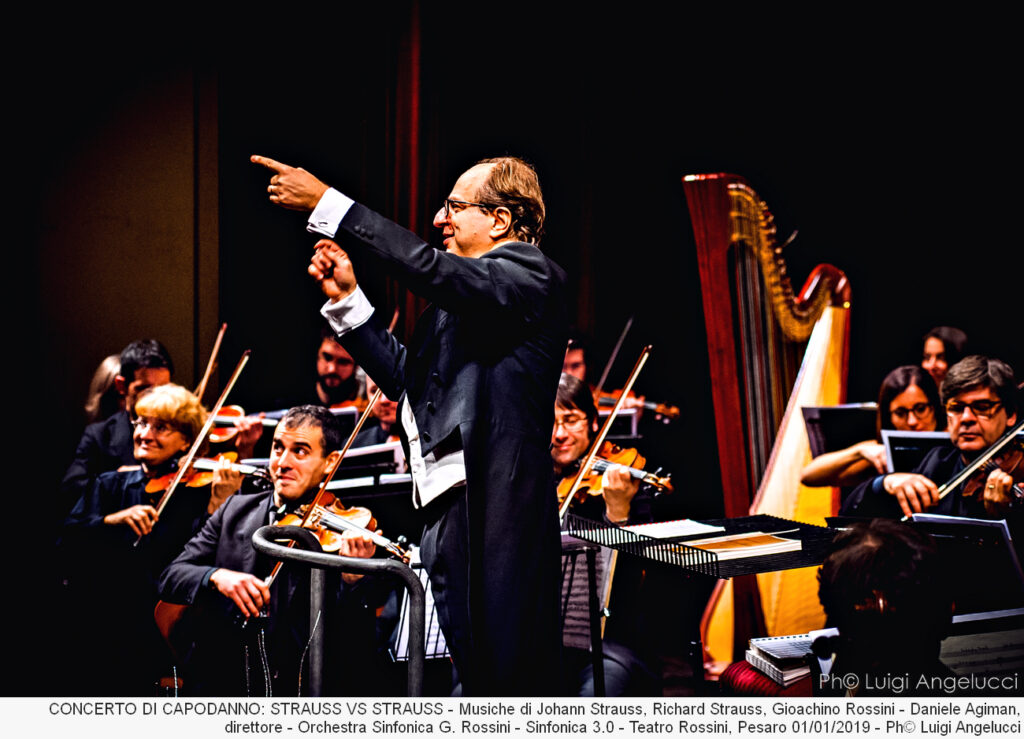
column 269, row 163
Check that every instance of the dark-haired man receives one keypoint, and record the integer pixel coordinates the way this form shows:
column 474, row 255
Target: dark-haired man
column 221, row 572
column 476, row 388
column 336, row 380
column 107, row 445
column 981, row 400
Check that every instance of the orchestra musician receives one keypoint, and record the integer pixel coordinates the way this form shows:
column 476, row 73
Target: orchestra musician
column 576, row 425
column 106, row 445
column 336, row 379
column 884, row 587
column 981, row 402
column 221, row 574
column 476, row 388
column 111, row 579
column 907, row 401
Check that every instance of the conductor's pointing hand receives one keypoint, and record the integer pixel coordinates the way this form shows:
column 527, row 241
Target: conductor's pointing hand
column 291, row 187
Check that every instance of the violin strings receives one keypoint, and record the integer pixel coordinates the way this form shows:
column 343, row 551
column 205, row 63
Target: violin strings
column 302, row 659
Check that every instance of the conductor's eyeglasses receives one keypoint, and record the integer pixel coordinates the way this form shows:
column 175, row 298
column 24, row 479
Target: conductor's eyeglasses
column 921, row 410
column 463, row 204
column 980, row 408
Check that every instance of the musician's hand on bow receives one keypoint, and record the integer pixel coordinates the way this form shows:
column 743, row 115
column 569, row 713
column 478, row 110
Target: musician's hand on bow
column 139, row 518
column 997, row 496
column 331, row 267
column 915, row 493
column 874, row 453
column 226, row 482
column 248, row 592
column 356, row 545
column 618, row 488
column 291, row 187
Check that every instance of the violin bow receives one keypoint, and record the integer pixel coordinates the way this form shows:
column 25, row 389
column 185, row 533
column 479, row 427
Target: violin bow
column 210, row 365
column 186, row 461
column 974, row 466
column 611, row 358
column 599, row 440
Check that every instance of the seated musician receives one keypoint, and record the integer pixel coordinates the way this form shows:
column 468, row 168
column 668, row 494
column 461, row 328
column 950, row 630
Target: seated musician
column 111, row 579
column 106, row 445
column 337, row 382
column 981, row 401
column 220, row 572
column 907, row 401
column 575, row 361
column 626, row 672
column 576, row 426
column 884, row 587
column 380, row 427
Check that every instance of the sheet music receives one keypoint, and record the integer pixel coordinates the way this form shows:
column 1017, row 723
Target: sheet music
column 673, row 529
column 576, row 594
column 436, row 647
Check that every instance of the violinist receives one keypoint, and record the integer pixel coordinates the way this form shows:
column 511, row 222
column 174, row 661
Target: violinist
column 576, row 425
column 626, row 673
column 221, row 573
column 111, row 579
column 981, row 403
column 107, row 445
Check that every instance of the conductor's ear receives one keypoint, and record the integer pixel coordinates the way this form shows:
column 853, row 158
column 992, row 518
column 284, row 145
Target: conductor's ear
column 502, row 227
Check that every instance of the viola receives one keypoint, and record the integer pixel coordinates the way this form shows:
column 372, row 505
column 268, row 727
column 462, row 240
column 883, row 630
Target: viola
column 612, row 456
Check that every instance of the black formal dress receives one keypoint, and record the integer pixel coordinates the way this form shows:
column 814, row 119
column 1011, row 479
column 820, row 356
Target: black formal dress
column 480, row 374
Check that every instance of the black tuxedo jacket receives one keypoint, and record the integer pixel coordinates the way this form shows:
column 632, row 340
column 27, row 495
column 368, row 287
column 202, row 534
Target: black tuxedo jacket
column 480, row 373
column 104, row 446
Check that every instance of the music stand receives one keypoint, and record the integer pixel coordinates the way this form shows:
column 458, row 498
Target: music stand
column 904, row 450
column 983, row 569
column 834, row 427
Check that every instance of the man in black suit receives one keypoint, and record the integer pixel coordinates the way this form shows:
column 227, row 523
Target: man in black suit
column 476, row 389
column 220, row 572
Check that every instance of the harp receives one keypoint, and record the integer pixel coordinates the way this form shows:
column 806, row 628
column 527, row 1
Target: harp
column 771, row 351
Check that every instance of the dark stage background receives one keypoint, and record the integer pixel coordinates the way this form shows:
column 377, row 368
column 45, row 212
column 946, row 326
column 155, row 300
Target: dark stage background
column 896, row 160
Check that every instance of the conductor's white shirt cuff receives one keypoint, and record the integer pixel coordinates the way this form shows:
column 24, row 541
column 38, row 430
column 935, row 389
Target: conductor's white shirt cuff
column 349, row 313
column 327, row 215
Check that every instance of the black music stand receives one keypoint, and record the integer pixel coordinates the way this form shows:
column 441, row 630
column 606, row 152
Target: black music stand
column 834, row 427
column 985, row 572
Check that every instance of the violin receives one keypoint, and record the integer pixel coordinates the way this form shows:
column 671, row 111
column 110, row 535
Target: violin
column 1010, row 460
column 227, row 418
column 330, row 520
column 1006, row 453
column 612, row 456
column 195, row 477
column 663, row 410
